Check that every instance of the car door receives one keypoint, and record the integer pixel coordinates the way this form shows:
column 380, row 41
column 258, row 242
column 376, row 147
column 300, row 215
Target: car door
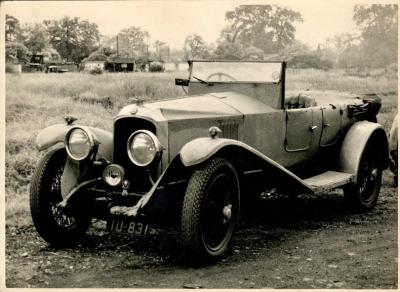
column 298, row 133
column 331, row 125
column 303, row 129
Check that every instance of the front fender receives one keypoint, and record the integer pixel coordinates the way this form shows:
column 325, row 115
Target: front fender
column 56, row 134
column 51, row 136
column 202, row 149
column 198, row 151
column 356, row 140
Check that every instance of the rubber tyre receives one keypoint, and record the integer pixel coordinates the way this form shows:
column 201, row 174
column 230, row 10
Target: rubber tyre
column 362, row 196
column 199, row 192
column 393, row 165
column 43, row 199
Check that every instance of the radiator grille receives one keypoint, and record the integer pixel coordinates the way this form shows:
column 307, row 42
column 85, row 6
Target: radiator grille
column 123, row 128
column 230, row 130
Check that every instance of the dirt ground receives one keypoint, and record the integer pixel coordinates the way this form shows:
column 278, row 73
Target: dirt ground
column 307, row 242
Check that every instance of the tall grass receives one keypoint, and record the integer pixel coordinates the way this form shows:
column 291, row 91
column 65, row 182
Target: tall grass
column 34, row 101
column 313, row 79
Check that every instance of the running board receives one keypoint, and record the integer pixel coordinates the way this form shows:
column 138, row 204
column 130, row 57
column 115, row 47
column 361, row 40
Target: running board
column 329, row 180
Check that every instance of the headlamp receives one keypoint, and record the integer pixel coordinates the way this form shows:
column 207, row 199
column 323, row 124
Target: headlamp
column 143, row 148
column 79, row 143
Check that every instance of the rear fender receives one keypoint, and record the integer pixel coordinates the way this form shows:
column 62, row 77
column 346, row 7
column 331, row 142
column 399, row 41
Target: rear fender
column 355, row 141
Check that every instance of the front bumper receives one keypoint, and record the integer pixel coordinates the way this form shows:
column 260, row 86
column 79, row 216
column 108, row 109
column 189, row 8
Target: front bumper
column 161, row 202
column 158, row 206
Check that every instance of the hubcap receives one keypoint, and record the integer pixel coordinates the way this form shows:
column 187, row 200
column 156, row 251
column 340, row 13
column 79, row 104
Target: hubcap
column 227, row 211
column 374, row 174
column 219, row 211
column 368, row 180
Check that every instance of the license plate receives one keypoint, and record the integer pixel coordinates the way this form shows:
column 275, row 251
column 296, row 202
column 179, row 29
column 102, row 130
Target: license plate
column 130, row 227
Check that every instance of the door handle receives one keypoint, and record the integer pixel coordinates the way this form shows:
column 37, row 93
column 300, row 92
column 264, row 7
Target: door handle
column 312, row 128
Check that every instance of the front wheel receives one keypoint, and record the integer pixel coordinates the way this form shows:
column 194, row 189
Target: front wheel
column 363, row 195
column 52, row 224
column 210, row 209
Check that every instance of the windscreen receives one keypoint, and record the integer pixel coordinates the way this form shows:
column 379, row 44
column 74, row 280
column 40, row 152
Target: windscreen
column 236, row 72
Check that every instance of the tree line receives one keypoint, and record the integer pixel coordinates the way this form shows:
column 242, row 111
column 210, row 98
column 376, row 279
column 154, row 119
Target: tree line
column 252, row 32
column 69, row 38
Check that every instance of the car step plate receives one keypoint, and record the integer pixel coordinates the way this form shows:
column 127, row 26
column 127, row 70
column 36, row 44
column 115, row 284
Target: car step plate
column 121, row 226
column 329, row 180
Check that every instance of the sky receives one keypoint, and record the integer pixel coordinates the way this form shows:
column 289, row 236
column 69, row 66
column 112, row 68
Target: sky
column 172, row 21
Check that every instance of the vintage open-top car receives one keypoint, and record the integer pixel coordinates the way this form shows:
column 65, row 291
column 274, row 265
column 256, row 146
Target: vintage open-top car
column 193, row 162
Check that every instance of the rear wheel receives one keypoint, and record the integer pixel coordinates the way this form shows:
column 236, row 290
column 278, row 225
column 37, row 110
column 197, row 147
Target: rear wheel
column 210, row 209
column 52, row 223
column 363, row 195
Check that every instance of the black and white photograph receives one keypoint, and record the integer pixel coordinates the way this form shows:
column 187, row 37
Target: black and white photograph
column 215, row 144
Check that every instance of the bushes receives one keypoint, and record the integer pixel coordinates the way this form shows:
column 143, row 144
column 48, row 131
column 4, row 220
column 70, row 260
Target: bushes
column 156, row 67
column 96, row 71
column 228, row 51
column 17, row 52
column 13, row 68
column 310, row 61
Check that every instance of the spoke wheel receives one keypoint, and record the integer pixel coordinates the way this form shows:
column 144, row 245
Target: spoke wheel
column 210, row 209
column 53, row 224
column 364, row 194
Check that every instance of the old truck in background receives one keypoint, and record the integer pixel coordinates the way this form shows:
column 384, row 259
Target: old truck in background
column 49, row 64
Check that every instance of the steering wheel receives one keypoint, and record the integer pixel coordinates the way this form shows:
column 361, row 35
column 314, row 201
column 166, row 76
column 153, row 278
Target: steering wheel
column 220, row 74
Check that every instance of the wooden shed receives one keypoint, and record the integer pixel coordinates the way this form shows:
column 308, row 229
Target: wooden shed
column 119, row 64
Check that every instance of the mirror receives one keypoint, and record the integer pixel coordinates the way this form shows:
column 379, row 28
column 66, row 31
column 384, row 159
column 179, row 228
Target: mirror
column 181, row 82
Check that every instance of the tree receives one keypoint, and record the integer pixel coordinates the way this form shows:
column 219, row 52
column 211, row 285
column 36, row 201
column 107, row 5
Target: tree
column 176, row 56
column 295, row 48
column 253, row 53
column 351, row 57
column 51, row 53
column 131, row 42
column 13, row 29
column 247, row 21
column 281, row 24
column 103, row 53
column 162, row 50
column 16, row 52
column 107, row 51
column 268, row 27
column 344, row 41
column 35, row 37
column 228, row 51
column 195, row 47
column 73, row 38
column 96, row 56
column 378, row 25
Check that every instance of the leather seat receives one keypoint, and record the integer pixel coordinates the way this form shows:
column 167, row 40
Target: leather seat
column 299, row 101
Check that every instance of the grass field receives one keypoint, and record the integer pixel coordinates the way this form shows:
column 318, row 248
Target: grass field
column 34, row 101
